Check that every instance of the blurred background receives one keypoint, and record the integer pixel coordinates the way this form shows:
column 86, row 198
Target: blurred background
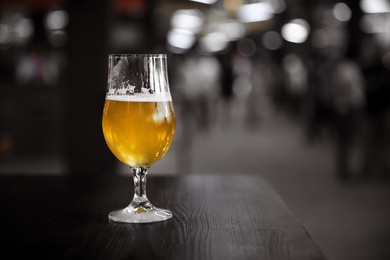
column 296, row 91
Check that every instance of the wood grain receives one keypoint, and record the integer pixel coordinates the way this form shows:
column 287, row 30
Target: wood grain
column 215, row 217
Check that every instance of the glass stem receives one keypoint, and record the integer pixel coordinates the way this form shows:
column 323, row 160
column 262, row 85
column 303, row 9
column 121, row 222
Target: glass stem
column 140, row 199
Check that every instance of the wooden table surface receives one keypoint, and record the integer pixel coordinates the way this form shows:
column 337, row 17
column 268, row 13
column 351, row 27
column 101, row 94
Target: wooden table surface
column 215, row 217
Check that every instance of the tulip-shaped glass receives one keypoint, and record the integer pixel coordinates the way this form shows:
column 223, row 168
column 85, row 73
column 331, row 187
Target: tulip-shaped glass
column 138, row 125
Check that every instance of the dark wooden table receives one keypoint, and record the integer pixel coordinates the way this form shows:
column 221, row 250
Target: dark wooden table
column 215, row 217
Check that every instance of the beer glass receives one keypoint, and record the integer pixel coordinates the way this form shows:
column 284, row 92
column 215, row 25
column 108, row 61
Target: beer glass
column 138, row 125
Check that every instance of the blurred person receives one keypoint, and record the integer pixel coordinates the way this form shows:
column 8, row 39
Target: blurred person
column 197, row 85
column 200, row 85
column 242, row 87
column 376, row 160
column 319, row 106
column 265, row 79
column 296, row 81
column 347, row 87
column 338, row 91
column 329, row 46
column 337, row 106
column 255, row 79
column 226, row 64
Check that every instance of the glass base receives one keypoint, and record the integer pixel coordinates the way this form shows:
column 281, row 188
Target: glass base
column 140, row 215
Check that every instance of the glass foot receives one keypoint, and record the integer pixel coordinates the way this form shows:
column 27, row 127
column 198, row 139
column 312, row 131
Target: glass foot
column 140, row 215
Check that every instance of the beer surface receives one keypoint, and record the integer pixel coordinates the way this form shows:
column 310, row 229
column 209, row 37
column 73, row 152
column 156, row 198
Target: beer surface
column 138, row 133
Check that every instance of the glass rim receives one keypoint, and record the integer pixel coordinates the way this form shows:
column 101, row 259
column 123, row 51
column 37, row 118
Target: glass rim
column 162, row 55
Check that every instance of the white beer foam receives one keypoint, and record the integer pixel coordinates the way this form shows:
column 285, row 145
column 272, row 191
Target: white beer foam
column 141, row 97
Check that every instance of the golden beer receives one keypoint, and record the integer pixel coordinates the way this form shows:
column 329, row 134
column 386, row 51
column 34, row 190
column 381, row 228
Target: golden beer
column 138, row 133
